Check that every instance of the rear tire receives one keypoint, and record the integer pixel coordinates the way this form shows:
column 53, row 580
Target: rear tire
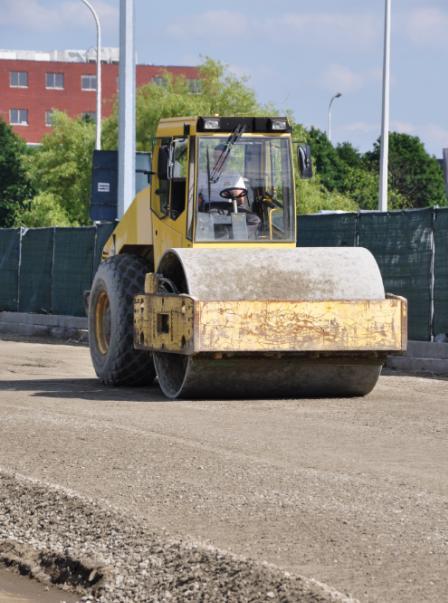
column 111, row 322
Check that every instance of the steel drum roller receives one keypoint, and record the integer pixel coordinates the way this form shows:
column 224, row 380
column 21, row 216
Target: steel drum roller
column 306, row 274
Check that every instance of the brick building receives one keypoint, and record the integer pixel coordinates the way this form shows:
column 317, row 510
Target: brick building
column 33, row 84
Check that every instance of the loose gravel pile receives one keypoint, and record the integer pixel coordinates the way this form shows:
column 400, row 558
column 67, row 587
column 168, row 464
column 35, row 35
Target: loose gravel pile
column 56, row 536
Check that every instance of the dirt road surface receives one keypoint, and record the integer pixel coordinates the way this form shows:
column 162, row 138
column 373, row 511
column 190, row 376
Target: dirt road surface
column 352, row 493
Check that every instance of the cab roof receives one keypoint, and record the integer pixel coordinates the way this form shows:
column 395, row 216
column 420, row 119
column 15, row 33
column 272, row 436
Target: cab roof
column 184, row 126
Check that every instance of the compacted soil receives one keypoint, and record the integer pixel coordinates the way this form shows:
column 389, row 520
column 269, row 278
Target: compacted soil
column 121, row 495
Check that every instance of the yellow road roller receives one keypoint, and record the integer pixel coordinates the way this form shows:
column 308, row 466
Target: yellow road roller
column 202, row 286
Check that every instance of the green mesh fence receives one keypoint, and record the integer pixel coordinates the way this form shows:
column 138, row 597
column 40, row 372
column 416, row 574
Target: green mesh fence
column 327, row 230
column 35, row 272
column 402, row 243
column 441, row 272
column 9, row 268
column 72, row 269
column 48, row 269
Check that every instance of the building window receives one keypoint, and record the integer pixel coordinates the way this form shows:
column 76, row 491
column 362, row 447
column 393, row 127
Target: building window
column 89, row 117
column 54, row 80
column 18, row 79
column 18, row 117
column 49, row 118
column 159, row 80
column 195, row 86
column 88, row 82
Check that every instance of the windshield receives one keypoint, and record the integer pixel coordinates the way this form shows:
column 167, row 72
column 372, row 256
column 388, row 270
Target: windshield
column 245, row 189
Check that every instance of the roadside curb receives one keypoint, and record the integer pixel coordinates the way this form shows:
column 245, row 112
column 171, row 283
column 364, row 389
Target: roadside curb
column 421, row 356
column 54, row 326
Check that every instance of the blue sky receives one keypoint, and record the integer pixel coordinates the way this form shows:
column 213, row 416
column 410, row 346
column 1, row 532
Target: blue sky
column 296, row 53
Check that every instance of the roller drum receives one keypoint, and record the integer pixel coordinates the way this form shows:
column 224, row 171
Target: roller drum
column 307, row 274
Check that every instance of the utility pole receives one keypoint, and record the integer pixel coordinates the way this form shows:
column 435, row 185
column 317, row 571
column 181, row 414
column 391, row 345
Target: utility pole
column 126, row 134
column 384, row 163
column 98, row 74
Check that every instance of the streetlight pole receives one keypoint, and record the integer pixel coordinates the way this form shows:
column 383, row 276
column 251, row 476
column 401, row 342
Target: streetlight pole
column 126, row 130
column 98, row 74
column 333, row 98
column 384, row 162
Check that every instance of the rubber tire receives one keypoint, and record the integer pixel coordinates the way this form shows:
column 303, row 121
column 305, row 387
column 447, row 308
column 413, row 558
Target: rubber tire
column 121, row 278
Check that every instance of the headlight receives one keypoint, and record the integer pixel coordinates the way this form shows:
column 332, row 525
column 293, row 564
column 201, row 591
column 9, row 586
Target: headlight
column 211, row 123
column 279, row 124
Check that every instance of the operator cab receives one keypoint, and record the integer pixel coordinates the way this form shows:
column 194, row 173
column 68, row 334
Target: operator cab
column 222, row 180
column 244, row 188
column 215, row 181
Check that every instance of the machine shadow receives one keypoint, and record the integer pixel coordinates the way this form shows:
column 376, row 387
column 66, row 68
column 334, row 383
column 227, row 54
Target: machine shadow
column 83, row 389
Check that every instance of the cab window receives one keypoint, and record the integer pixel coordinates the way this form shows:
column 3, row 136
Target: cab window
column 172, row 177
column 245, row 189
column 178, row 167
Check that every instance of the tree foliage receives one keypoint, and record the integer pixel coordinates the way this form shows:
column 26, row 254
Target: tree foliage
column 415, row 178
column 45, row 209
column 220, row 93
column 15, row 186
column 349, row 155
column 60, row 171
column 412, row 171
column 331, row 168
column 313, row 197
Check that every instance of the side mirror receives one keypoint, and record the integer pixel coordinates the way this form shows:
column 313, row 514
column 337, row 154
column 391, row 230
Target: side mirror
column 304, row 159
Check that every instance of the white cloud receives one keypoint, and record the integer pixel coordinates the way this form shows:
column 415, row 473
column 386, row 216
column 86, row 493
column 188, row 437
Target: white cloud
column 330, row 28
column 319, row 28
column 209, row 24
column 403, row 126
column 427, row 26
column 433, row 136
column 33, row 15
column 240, row 71
column 340, row 78
column 359, row 127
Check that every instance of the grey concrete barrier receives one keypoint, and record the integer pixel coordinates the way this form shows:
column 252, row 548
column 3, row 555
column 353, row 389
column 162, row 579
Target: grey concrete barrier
column 63, row 328
column 422, row 357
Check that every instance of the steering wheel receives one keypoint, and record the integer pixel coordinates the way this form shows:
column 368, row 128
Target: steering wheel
column 229, row 193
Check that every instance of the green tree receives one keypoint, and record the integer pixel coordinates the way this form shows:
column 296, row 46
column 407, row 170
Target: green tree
column 61, row 173
column 15, row 186
column 329, row 165
column 415, row 174
column 350, row 155
column 313, row 197
column 219, row 92
column 346, row 171
column 44, row 210
column 362, row 186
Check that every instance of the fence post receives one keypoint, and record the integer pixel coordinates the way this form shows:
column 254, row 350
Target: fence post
column 433, row 273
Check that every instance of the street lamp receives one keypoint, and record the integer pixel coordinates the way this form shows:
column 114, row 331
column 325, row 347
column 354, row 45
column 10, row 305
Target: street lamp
column 126, row 129
column 384, row 161
column 98, row 74
column 333, row 98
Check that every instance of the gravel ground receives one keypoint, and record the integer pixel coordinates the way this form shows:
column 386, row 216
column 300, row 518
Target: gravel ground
column 350, row 492
column 60, row 538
